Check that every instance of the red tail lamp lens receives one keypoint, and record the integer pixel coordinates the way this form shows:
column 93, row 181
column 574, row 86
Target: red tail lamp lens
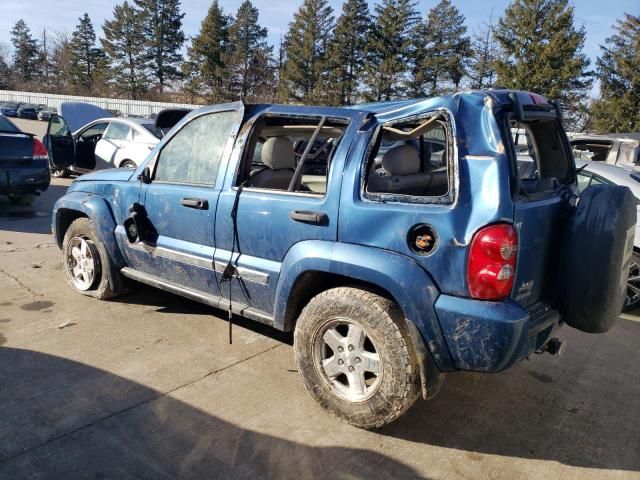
column 492, row 262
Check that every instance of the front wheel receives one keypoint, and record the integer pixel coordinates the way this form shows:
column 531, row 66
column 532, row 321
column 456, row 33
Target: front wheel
column 632, row 300
column 355, row 357
column 60, row 172
column 86, row 262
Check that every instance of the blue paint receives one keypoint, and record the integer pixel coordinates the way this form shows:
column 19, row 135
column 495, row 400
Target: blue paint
column 364, row 239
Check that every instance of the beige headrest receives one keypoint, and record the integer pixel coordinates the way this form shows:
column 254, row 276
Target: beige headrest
column 277, row 153
column 401, row 160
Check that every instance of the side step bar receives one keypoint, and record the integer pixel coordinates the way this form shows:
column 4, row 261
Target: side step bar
column 199, row 296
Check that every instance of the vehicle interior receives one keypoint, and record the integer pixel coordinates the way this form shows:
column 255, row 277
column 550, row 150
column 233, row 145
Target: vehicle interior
column 542, row 160
column 86, row 144
column 411, row 159
column 594, row 150
column 291, row 153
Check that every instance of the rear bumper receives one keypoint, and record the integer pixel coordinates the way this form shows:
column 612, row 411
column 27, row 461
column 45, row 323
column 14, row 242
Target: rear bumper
column 491, row 336
column 22, row 181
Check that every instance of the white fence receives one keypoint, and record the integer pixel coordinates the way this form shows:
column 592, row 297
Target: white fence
column 126, row 107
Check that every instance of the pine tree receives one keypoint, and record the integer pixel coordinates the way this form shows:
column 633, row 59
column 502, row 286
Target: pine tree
column 164, row 38
column 5, row 74
column 61, row 61
column 305, row 73
column 542, row 52
column 250, row 60
column 124, row 46
column 390, row 49
column 618, row 109
column 485, row 53
column 442, row 50
column 84, row 55
column 25, row 54
column 206, row 67
column 348, row 49
column 46, row 67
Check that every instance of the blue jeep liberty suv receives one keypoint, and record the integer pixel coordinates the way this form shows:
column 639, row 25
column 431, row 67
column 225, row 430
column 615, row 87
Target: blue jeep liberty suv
column 398, row 240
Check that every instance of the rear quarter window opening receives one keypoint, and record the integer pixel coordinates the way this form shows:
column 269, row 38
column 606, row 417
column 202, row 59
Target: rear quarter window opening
column 278, row 156
column 542, row 159
column 411, row 161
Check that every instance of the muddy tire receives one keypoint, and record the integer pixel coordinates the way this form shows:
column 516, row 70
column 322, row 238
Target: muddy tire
column 355, row 356
column 87, row 267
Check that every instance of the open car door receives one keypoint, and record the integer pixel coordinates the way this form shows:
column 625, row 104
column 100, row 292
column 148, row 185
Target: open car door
column 168, row 117
column 60, row 143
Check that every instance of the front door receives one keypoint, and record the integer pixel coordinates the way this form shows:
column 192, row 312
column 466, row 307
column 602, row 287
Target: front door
column 87, row 141
column 60, row 143
column 180, row 201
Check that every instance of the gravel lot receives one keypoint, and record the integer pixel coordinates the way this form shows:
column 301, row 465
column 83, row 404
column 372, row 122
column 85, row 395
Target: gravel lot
column 147, row 387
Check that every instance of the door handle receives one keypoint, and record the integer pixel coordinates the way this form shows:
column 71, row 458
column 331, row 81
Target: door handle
column 198, row 203
column 304, row 216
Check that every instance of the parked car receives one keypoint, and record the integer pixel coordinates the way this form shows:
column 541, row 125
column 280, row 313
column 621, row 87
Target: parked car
column 596, row 173
column 615, row 149
column 391, row 266
column 24, row 164
column 27, row 111
column 46, row 113
column 9, row 109
column 85, row 138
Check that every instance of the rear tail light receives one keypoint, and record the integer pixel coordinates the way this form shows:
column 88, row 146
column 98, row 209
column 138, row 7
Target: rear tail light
column 39, row 150
column 492, row 262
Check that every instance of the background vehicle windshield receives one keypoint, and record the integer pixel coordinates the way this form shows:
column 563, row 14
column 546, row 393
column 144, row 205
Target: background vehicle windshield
column 7, row 126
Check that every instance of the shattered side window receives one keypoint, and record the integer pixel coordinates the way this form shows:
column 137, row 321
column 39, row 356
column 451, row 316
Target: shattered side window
column 411, row 160
column 193, row 155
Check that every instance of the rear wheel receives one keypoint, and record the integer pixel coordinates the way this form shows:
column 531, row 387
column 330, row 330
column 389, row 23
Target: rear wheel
column 128, row 164
column 353, row 352
column 632, row 300
column 60, row 172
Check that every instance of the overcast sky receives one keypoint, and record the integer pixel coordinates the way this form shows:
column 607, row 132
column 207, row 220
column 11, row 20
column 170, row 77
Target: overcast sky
column 62, row 15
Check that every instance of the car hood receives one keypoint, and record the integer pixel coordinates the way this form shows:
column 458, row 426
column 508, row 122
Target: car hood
column 78, row 114
column 109, row 175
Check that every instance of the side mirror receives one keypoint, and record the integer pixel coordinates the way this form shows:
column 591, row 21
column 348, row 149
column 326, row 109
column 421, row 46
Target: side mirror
column 145, row 175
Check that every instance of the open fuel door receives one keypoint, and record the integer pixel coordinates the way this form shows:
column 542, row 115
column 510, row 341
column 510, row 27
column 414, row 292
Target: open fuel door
column 60, row 143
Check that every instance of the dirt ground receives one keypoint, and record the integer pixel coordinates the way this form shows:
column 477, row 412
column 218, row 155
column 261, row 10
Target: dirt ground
column 146, row 386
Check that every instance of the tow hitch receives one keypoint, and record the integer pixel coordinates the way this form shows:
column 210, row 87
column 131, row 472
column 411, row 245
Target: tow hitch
column 555, row 346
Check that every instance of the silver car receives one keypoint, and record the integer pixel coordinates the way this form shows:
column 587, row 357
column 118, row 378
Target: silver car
column 592, row 173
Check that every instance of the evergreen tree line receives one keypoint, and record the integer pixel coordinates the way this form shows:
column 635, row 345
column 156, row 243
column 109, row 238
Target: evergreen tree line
column 392, row 52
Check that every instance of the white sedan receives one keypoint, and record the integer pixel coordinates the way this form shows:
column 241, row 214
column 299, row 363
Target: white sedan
column 86, row 138
column 593, row 173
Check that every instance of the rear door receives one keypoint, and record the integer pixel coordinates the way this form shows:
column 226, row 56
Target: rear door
column 60, row 143
column 180, row 201
column 117, row 136
column 271, row 215
column 545, row 169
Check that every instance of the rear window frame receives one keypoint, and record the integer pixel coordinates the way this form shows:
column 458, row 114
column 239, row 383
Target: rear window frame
column 517, row 193
column 452, row 164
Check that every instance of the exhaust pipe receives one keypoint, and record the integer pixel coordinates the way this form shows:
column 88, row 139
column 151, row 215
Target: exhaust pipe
column 555, row 346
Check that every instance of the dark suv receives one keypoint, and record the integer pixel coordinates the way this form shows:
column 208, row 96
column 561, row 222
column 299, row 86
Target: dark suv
column 397, row 240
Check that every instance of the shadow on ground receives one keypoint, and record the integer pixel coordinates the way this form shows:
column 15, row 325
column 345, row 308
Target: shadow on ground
column 49, row 406
column 34, row 218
